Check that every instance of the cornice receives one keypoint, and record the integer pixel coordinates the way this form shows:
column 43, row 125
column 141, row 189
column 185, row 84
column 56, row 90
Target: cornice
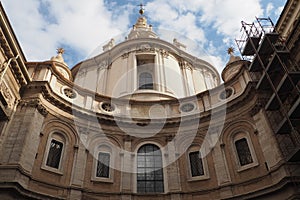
column 16, row 69
column 60, row 103
column 35, row 103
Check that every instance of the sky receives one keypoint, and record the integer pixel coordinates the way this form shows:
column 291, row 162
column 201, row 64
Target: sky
column 82, row 27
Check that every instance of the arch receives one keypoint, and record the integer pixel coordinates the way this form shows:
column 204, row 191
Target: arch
column 55, row 151
column 234, row 127
column 61, row 126
column 243, row 132
column 105, row 158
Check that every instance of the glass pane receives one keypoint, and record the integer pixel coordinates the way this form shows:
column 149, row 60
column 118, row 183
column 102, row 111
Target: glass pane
column 196, row 164
column 159, row 186
column 145, row 81
column 54, row 154
column 149, row 163
column 141, row 176
column 149, row 148
column 243, row 152
column 158, row 175
column 157, row 162
column 103, row 165
column 141, row 186
column 150, row 176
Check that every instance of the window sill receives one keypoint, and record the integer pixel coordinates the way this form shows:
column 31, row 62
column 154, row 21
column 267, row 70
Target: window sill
column 102, row 180
column 52, row 170
column 247, row 167
column 198, row 178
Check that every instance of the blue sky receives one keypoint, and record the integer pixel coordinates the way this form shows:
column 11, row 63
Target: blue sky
column 81, row 26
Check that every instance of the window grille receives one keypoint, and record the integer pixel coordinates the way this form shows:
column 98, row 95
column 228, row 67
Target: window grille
column 196, row 164
column 149, row 170
column 54, row 155
column 145, row 81
column 243, row 152
column 103, row 165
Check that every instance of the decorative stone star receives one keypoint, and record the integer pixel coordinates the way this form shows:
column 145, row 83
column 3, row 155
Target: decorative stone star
column 60, row 50
column 230, row 50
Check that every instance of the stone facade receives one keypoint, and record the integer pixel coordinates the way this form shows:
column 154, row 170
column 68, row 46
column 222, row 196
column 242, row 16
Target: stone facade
column 45, row 105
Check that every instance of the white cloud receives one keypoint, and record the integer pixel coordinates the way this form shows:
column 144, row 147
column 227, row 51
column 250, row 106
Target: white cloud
column 269, row 9
column 80, row 24
column 226, row 15
column 83, row 25
column 193, row 19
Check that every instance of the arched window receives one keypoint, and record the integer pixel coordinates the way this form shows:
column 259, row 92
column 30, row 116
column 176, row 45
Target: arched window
column 103, row 165
column 196, row 164
column 149, row 170
column 103, row 169
column 54, row 154
column 243, row 151
column 145, row 81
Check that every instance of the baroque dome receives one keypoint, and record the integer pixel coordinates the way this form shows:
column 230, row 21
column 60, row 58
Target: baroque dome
column 145, row 67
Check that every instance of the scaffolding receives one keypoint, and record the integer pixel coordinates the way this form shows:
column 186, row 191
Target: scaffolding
column 277, row 79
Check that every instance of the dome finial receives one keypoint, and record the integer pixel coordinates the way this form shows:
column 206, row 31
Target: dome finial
column 230, row 50
column 142, row 10
column 60, row 50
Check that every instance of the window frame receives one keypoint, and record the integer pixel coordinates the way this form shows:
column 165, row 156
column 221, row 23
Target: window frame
column 149, row 67
column 205, row 176
column 55, row 142
column 199, row 159
column 103, row 164
column 236, row 137
column 139, row 81
column 163, row 171
column 103, row 148
column 60, row 137
column 237, row 143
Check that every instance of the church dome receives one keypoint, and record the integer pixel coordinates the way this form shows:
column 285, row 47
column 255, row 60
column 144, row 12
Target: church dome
column 145, row 67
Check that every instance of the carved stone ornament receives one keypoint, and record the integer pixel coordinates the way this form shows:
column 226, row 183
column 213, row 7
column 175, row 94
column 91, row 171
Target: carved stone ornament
column 34, row 103
column 7, row 95
column 125, row 55
column 164, row 53
column 145, row 48
column 184, row 65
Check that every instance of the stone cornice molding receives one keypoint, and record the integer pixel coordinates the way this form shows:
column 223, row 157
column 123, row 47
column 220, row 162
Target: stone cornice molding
column 72, row 109
column 34, row 103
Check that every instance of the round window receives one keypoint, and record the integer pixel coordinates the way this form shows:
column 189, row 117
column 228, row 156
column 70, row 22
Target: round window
column 187, row 107
column 108, row 107
column 226, row 93
column 68, row 92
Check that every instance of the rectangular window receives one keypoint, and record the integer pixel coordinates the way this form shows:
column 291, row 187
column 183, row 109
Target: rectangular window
column 144, row 60
column 54, row 155
column 145, row 71
column 196, row 164
column 243, row 152
column 103, row 165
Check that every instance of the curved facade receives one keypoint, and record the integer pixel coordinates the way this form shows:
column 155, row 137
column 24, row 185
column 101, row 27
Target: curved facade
column 144, row 120
column 172, row 72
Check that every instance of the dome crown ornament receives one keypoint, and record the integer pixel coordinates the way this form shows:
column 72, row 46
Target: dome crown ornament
column 59, row 58
column 141, row 29
column 142, row 10
column 232, row 58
